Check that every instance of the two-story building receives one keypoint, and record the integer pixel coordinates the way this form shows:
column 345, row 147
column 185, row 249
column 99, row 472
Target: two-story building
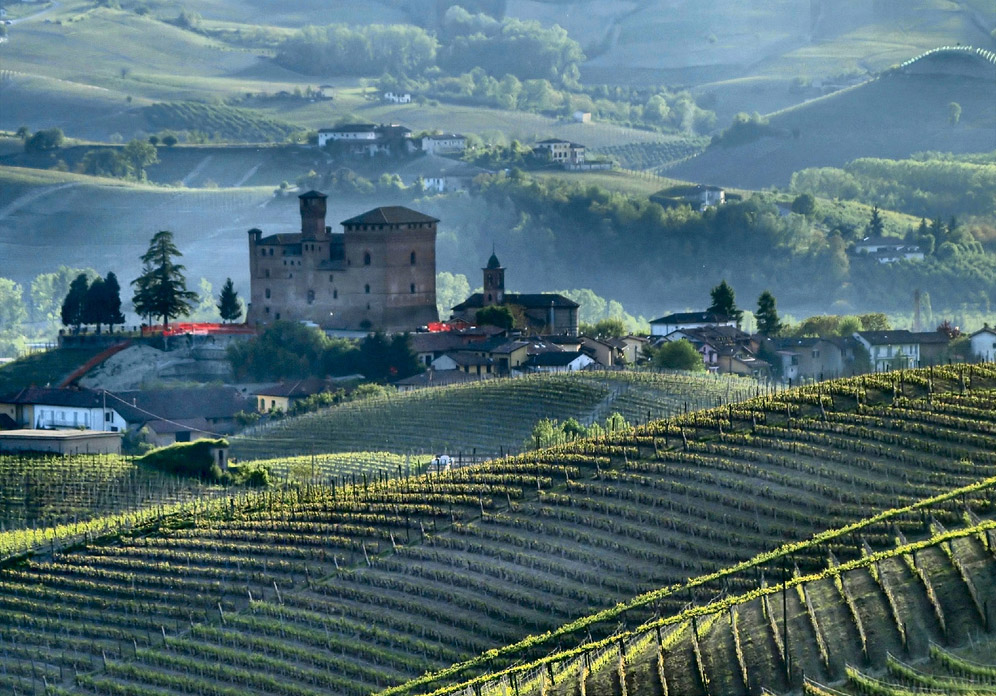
column 890, row 350
column 367, row 139
column 444, row 143
column 983, row 344
column 561, row 151
column 43, row 408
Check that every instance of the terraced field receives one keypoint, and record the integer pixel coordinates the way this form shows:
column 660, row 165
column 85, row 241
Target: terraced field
column 487, row 418
column 351, row 589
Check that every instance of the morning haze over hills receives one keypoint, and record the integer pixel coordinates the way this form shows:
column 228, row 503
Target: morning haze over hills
column 532, row 347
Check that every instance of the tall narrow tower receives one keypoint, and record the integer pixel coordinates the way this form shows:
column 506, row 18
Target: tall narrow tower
column 312, row 215
column 494, row 281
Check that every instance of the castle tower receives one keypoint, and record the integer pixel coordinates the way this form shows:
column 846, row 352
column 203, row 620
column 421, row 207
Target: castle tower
column 313, row 215
column 494, row 281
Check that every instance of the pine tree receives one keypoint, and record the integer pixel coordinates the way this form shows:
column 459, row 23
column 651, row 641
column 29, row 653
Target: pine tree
column 161, row 290
column 93, row 306
column 228, row 302
column 724, row 302
column 74, row 306
column 112, row 301
column 875, row 225
column 768, row 323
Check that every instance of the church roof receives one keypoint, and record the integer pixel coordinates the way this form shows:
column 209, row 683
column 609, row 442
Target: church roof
column 493, row 262
column 391, row 215
column 529, row 301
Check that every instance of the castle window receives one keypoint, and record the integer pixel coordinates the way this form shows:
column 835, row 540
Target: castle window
column 366, row 288
column 366, row 258
column 278, row 316
column 330, row 277
column 266, row 273
column 271, row 252
column 311, row 297
column 268, row 293
column 262, row 252
column 413, row 258
column 335, row 294
column 489, row 298
column 413, row 288
column 368, row 306
column 267, row 309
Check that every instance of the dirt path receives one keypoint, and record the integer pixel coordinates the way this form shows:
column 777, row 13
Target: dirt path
column 30, row 197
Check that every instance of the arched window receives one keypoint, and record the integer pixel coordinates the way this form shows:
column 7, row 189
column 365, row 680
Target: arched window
column 366, row 258
column 366, row 288
column 413, row 288
column 335, row 294
column 413, row 258
column 268, row 293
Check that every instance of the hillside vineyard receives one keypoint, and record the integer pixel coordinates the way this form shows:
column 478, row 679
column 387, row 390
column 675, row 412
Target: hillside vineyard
column 331, row 589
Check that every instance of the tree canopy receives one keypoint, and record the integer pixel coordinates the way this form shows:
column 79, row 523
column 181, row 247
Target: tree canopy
column 724, row 302
column 229, row 306
column 161, row 289
column 677, row 355
column 768, row 323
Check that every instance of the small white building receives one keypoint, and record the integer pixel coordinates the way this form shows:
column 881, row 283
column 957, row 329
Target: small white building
column 890, row 350
column 60, row 442
column 398, row 97
column 887, row 249
column 984, row 344
column 348, row 131
column 559, row 361
column 582, row 116
column 562, row 151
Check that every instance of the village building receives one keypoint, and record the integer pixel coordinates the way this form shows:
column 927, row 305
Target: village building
column 809, row 358
column 983, row 344
column 680, row 321
column 544, row 313
column 378, row 273
column 398, row 97
column 283, row 395
column 367, row 139
column 43, row 408
column 559, row 361
column 886, row 250
column 444, row 142
column 184, row 414
column 60, row 441
column 439, row 174
column 723, row 349
column 561, row 151
column 934, row 347
column 890, row 350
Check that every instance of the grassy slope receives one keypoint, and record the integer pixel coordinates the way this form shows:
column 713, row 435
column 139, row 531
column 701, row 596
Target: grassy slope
column 481, row 558
column 893, row 117
column 486, row 416
column 42, row 369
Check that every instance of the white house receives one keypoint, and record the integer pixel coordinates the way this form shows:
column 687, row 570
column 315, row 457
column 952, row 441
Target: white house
column 56, row 409
column 445, row 142
column 439, row 174
column 887, row 249
column 890, row 350
column 984, row 344
column 582, row 116
column 348, row 131
column 398, row 97
column 559, row 361
column 681, row 321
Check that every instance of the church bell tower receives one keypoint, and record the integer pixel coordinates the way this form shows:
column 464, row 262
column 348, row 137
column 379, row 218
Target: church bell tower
column 494, row 281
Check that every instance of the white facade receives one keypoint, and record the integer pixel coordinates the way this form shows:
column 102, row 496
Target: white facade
column 62, row 417
column 398, row 97
column 664, row 328
column 984, row 345
column 325, row 135
column 578, row 363
column 891, row 355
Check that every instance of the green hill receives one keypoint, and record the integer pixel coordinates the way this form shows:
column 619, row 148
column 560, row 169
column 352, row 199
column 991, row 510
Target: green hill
column 903, row 111
column 486, row 418
column 349, row 589
column 45, row 368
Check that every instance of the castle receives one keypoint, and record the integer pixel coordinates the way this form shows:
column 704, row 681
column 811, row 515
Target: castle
column 379, row 273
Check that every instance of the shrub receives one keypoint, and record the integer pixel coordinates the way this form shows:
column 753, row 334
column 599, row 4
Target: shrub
column 192, row 459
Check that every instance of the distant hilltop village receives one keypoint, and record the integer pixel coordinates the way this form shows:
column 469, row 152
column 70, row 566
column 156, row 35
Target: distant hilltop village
column 379, row 273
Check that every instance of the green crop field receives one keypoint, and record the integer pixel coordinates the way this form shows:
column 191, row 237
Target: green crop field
column 485, row 418
column 351, row 589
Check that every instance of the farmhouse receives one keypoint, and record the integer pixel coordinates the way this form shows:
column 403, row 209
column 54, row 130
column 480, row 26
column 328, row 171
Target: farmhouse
column 439, row 174
column 886, row 250
column 366, row 139
column 546, row 313
column 398, row 97
column 562, row 151
column 378, row 273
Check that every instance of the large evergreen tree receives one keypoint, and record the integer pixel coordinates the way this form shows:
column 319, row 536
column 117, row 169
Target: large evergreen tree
column 228, row 302
column 93, row 306
column 161, row 290
column 73, row 311
column 112, row 301
column 875, row 225
column 724, row 302
column 768, row 323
